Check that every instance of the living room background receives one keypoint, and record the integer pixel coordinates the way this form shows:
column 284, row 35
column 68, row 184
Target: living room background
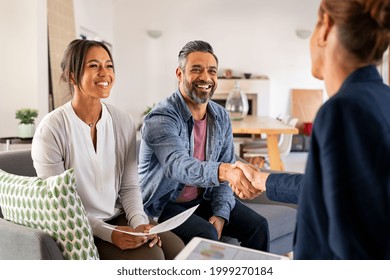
column 255, row 36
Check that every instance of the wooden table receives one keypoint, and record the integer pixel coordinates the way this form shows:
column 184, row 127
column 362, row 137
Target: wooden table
column 269, row 126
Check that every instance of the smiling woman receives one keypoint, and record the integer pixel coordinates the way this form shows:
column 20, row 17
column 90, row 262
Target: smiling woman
column 98, row 141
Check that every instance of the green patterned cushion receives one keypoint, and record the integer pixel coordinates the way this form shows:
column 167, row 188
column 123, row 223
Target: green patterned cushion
column 51, row 205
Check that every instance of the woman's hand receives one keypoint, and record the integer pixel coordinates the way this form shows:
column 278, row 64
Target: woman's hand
column 255, row 176
column 155, row 239
column 237, row 180
column 127, row 241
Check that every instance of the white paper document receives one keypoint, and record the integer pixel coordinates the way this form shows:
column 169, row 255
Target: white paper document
column 165, row 226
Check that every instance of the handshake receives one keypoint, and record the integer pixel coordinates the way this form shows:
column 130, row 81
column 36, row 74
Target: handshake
column 246, row 180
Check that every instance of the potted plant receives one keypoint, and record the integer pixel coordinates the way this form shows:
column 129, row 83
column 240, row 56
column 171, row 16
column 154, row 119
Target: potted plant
column 26, row 126
column 144, row 113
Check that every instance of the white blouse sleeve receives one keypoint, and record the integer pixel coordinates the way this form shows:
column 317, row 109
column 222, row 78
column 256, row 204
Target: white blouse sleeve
column 46, row 150
column 130, row 191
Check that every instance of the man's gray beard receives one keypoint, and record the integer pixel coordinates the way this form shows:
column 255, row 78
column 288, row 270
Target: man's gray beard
column 196, row 99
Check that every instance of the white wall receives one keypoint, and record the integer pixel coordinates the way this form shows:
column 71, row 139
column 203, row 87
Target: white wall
column 94, row 16
column 24, row 73
column 256, row 36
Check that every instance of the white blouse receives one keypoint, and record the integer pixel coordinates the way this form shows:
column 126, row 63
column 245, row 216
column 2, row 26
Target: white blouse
column 95, row 171
column 106, row 179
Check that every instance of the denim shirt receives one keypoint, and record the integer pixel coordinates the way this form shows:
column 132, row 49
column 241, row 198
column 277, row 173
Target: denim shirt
column 165, row 159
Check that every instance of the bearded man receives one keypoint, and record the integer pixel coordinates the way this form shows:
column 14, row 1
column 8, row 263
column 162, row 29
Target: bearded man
column 186, row 157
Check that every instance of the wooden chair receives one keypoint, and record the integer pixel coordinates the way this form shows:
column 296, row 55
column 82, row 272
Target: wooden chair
column 260, row 155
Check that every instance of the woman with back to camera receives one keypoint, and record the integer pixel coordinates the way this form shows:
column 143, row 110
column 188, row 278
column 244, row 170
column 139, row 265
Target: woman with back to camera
column 344, row 194
column 98, row 140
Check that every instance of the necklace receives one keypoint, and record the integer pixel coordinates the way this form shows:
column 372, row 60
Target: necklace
column 91, row 124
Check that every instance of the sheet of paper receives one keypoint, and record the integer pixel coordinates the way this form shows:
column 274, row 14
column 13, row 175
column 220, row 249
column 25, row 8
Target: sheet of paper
column 165, row 226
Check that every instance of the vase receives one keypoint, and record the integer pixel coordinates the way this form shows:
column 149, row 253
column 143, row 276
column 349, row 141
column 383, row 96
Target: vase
column 26, row 130
column 237, row 103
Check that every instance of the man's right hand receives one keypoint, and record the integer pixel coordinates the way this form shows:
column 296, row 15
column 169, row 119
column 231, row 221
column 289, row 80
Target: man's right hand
column 237, row 181
column 254, row 175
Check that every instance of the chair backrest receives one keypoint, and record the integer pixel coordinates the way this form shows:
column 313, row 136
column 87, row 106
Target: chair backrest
column 285, row 145
column 284, row 118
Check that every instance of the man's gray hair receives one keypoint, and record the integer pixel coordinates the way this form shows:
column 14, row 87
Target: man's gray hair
column 194, row 46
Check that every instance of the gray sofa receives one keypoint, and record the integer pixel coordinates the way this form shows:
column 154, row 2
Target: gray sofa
column 281, row 219
column 19, row 242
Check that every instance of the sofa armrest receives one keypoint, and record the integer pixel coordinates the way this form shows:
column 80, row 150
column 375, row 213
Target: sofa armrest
column 18, row 242
column 17, row 162
column 263, row 199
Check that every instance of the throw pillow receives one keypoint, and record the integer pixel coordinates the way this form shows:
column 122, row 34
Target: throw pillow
column 51, row 205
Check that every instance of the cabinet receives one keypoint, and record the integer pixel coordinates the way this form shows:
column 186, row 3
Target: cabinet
column 257, row 91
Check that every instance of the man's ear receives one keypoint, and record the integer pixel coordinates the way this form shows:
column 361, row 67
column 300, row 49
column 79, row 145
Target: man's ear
column 179, row 74
column 326, row 26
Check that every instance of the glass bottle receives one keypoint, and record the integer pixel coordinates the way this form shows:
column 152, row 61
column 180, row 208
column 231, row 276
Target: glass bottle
column 237, row 103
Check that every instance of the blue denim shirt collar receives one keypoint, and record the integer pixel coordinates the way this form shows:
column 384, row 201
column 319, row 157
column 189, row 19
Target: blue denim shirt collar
column 186, row 113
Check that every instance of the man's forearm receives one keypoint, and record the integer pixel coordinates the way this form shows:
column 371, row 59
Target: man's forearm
column 223, row 172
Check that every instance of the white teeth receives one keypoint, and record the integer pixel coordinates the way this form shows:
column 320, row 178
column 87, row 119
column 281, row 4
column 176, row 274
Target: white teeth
column 103, row 84
column 203, row 86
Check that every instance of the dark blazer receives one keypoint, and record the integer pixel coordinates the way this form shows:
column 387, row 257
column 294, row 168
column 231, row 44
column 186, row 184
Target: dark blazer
column 344, row 200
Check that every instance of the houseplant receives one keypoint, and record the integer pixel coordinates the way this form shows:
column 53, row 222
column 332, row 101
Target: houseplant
column 26, row 126
column 144, row 113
